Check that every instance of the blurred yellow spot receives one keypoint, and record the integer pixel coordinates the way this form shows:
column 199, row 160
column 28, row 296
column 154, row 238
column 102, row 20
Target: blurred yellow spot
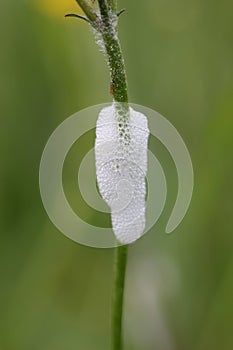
column 58, row 8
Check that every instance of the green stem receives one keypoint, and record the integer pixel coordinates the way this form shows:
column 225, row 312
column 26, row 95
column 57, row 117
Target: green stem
column 118, row 296
column 120, row 94
column 88, row 10
column 106, row 26
column 114, row 53
column 113, row 5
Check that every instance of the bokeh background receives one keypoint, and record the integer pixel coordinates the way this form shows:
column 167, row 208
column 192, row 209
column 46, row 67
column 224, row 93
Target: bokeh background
column 56, row 294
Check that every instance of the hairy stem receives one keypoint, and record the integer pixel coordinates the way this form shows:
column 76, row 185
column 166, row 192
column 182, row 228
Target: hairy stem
column 113, row 5
column 114, row 53
column 106, row 26
column 120, row 94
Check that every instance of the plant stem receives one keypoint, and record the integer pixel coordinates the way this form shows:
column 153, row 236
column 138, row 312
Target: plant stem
column 118, row 295
column 120, row 94
column 88, row 10
column 106, row 26
column 113, row 5
column 114, row 53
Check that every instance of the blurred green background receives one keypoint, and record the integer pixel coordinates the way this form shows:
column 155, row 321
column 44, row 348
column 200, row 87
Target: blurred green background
column 56, row 294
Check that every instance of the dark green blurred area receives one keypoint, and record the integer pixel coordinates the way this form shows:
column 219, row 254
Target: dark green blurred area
column 56, row 294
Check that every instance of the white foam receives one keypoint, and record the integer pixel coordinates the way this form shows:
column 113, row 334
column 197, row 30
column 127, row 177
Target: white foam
column 121, row 167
